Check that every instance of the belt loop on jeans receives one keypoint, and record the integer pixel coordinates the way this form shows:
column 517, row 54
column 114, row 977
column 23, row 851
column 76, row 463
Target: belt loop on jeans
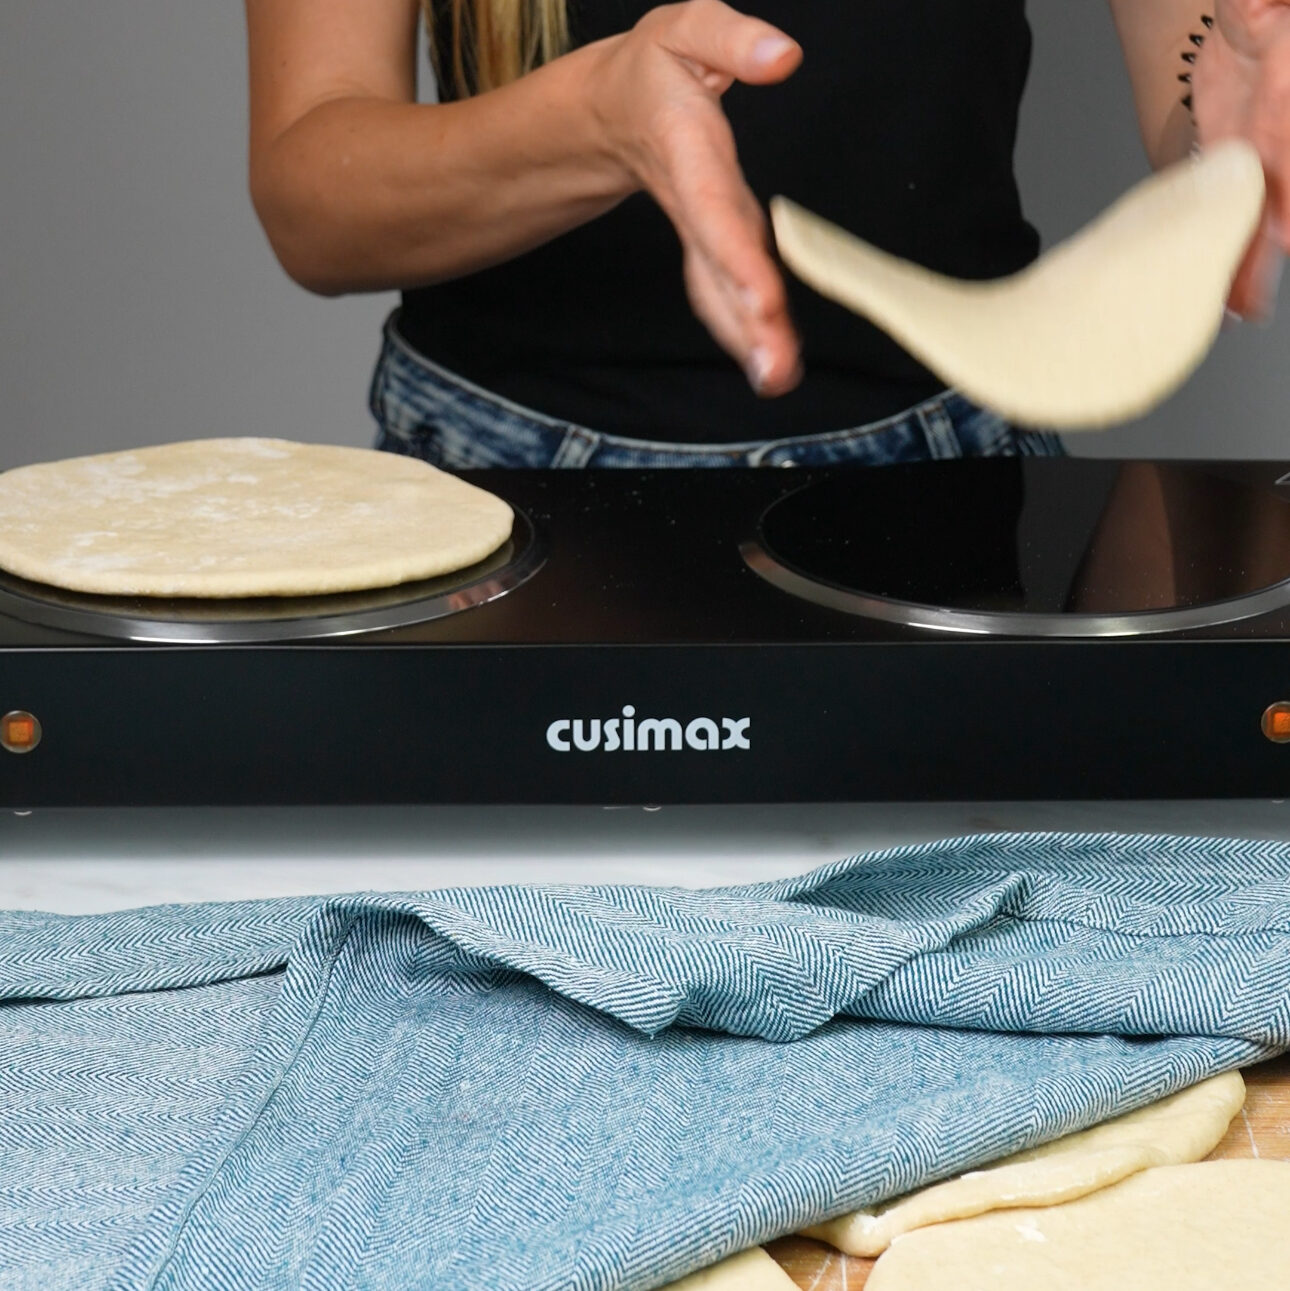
column 775, row 452
column 938, row 430
column 577, row 448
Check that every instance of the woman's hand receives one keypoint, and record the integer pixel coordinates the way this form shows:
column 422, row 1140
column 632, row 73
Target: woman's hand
column 1241, row 86
column 360, row 188
column 656, row 92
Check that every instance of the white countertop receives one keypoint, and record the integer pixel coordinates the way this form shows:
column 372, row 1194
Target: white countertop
column 88, row 860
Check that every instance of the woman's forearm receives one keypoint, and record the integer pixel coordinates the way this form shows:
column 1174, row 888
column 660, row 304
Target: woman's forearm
column 1155, row 35
column 365, row 194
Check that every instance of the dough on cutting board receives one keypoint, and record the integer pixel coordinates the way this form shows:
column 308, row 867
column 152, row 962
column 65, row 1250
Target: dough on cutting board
column 242, row 517
column 1216, row 1226
column 752, row 1270
column 1099, row 330
column 1185, row 1127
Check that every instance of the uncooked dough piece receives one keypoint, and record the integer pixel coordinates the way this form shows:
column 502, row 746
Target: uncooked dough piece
column 1217, row 1226
column 242, row 517
column 752, row 1270
column 1187, row 1126
column 1099, row 330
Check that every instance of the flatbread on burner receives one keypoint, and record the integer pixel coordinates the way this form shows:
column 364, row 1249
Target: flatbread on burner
column 242, row 517
column 1099, row 330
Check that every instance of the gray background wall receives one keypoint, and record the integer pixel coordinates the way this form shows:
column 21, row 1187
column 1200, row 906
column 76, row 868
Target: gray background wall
column 139, row 302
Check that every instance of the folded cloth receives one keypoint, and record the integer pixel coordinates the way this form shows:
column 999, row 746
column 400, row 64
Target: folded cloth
column 598, row 1087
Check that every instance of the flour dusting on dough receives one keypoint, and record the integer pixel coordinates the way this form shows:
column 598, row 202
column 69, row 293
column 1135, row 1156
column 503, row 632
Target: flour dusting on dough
column 189, row 519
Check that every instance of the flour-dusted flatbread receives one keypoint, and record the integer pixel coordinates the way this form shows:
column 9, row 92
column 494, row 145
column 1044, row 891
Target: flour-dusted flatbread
column 1217, row 1226
column 1184, row 1127
column 1097, row 331
column 242, row 517
column 752, row 1270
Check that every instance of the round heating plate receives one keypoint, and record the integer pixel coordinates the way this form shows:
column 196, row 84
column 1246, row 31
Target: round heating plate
column 1032, row 547
column 194, row 621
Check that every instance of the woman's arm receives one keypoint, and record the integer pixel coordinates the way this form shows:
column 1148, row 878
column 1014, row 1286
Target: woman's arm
column 1241, row 85
column 359, row 188
column 1155, row 35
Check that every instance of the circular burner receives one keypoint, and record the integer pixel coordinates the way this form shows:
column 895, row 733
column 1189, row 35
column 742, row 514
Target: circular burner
column 1032, row 546
column 269, row 619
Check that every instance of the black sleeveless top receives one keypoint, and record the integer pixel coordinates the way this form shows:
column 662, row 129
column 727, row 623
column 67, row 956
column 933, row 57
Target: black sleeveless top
column 899, row 125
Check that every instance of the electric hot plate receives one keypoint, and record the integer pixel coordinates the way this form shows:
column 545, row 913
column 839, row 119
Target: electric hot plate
column 983, row 629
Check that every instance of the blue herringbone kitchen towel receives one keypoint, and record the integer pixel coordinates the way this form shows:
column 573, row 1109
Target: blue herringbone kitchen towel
column 598, row 1087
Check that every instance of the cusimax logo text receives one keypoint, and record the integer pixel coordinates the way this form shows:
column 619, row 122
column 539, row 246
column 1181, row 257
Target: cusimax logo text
column 648, row 734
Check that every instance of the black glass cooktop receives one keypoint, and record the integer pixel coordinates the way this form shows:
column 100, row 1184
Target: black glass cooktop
column 1034, row 546
column 1007, row 547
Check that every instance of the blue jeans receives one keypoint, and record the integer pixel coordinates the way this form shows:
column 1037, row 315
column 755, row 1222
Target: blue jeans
column 424, row 411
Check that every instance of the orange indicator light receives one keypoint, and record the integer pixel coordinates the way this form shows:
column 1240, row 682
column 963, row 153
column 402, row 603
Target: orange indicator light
column 1276, row 723
column 19, row 732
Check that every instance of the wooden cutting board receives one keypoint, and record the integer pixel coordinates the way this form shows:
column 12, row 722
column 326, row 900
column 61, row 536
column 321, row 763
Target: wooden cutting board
column 1261, row 1130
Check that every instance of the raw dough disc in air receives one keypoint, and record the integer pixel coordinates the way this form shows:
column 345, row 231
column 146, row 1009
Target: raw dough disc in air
column 242, row 517
column 1216, row 1226
column 1187, row 1126
column 1097, row 331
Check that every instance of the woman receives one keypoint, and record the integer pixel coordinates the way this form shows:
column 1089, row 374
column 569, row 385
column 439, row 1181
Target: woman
column 578, row 227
